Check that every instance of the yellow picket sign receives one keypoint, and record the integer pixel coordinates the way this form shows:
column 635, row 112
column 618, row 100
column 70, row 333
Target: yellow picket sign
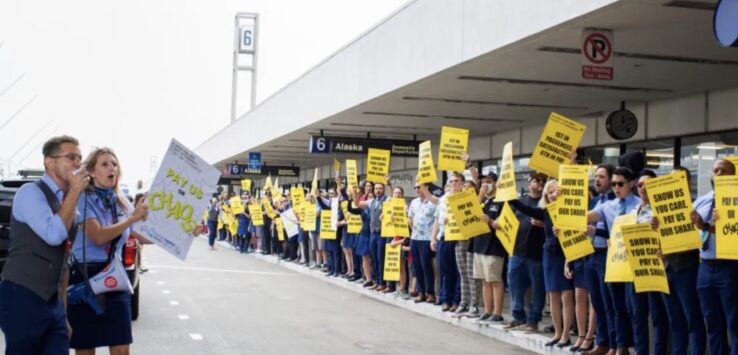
column 314, row 184
column 280, row 228
column 352, row 176
column 454, row 144
column 392, row 262
column 325, row 226
column 468, row 213
column 388, row 223
column 508, row 232
column 233, row 226
column 506, row 189
column 560, row 138
column 337, row 166
column 354, row 220
column 671, row 203
column 575, row 244
column 617, row 268
column 726, row 227
column 309, row 222
column 236, row 205
column 276, row 190
column 268, row 184
column 245, row 185
column 642, row 244
column 426, row 169
column 452, row 232
column 377, row 165
column 298, row 196
column 268, row 208
column 399, row 217
column 572, row 209
column 256, row 217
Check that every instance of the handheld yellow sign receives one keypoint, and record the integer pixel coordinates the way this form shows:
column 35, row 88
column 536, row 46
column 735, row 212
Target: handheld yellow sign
column 314, row 184
column 298, row 196
column 325, row 226
column 276, row 190
column 399, row 217
column 454, row 143
column 468, row 213
column 642, row 244
column 354, row 220
column 575, row 244
column 388, row 223
column 236, row 205
column 392, row 262
column 506, row 189
column 337, row 167
column 508, row 232
column 617, row 268
column 671, row 203
column 572, row 211
column 426, row 169
column 560, row 138
column 268, row 184
column 452, row 232
column 308, row 223
column 268, row 208
column 377, row 165
column 279, row 226
column 726, row 226
column 245, row 185
column 256, row 217
column 352, row 177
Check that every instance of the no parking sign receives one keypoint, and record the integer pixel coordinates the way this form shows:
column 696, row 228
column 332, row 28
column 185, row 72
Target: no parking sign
column 597, row 51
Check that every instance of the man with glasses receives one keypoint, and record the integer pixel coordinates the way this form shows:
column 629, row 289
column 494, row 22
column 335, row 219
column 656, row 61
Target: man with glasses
column 33, row 289
column 525, row 268
column 624, row 202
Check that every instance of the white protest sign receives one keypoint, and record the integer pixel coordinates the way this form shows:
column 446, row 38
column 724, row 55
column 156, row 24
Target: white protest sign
column 289, row 220
column 177, row 198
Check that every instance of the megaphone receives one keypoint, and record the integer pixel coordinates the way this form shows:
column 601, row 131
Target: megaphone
column 112, row 278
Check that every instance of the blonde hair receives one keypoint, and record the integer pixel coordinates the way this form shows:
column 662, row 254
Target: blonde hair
column 550, row 185
column 89, row 165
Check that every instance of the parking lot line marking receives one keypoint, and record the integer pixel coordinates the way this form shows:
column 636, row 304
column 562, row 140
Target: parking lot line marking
column 183, row 316
column 166, row 292
column 173, row 303
column 223, row 270
column 196, row 336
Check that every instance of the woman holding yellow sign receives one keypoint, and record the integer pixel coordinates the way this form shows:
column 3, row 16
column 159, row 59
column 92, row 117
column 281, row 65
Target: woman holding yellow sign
column 560, row 289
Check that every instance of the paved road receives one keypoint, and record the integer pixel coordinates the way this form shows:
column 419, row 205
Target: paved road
column 220, row 302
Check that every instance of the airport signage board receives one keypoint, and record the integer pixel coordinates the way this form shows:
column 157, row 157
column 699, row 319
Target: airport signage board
column 360, row 146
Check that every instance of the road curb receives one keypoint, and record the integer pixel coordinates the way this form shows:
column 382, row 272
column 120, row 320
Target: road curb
column 532, row 342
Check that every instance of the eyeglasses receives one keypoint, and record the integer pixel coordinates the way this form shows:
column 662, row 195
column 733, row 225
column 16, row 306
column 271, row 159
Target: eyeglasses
column 71, row 156
column 417, row 187
column 618, row 183
column 641, row 185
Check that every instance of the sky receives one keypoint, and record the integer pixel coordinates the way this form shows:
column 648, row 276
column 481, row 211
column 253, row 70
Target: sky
column 132, row 75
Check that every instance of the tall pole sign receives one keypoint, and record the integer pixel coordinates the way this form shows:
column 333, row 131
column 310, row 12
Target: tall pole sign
column 245, row 43
column 597, row 50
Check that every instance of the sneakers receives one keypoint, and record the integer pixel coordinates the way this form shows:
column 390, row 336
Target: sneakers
column 460, row 312
column 473, row 312
column 514, row 325
column 497, row 319
column 485, row 318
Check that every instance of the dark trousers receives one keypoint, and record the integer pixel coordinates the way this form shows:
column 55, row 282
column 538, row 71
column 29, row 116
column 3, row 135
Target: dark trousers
column 423, row 265
column 32, row 325
column 599, row 295
column 293, row 246
column 640, row 306
column 376, row 251
column 623, row 330
column 212, row 230
column 243, row 242
column 717, row 286
column 450, row 278
column 526, row 273
column 687, row 324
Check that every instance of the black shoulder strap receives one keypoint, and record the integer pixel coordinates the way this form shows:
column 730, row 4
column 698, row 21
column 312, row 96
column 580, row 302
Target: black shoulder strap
column 50, row 196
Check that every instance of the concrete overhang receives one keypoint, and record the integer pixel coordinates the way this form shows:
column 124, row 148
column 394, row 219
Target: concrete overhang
column 488, row 66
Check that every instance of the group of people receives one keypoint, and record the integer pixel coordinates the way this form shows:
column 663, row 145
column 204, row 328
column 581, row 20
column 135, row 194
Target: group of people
column 65, row 228
column 470, row 278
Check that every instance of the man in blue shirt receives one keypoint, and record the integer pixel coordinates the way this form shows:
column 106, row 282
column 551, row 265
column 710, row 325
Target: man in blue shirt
column 33, row 290
column 717, row 284
column 624, row 202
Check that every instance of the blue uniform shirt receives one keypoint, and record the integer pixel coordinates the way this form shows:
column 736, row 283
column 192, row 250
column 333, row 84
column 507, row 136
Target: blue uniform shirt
column 704, row 206
column 93, row 208
column 600, row 241
column 31, row 208
column 611, row 209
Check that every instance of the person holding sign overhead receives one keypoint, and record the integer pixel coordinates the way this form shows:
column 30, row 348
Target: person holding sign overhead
column 560, row 289
column 362, row 242
column 717, row 284
column 376, row 244
column 624, row 203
